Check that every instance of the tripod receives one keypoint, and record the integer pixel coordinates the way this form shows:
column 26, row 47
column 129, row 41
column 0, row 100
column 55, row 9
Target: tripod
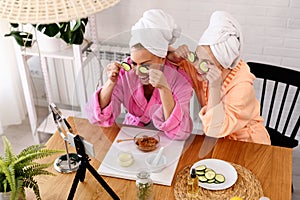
column 80, row 173
column 63, row 163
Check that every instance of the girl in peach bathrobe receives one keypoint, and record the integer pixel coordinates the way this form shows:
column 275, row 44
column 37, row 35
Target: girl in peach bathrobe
column 223, row 82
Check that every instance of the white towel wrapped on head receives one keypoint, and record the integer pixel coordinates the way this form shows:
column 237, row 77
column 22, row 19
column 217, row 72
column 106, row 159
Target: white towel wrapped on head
column 155, row 31
column 224, row 36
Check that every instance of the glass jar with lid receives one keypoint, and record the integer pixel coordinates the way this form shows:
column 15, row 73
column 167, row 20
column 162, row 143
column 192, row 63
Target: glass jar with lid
column 144, row 186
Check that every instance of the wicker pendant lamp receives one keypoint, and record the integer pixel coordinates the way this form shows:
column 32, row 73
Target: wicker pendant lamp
column 50, row 11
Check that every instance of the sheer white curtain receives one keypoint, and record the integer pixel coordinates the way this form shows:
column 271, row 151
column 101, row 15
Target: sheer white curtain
column 12, row 104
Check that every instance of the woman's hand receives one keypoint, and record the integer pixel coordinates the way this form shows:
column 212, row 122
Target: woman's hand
column 214, row 77
column 183, row 51
column 157, row 79
column 112, row 71
column 179, row 54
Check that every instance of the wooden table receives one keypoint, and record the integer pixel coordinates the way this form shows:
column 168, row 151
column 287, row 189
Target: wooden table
column 271, row 165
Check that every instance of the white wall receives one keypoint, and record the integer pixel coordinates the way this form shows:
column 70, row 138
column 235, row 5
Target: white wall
column 271, row 27
column 12, row 104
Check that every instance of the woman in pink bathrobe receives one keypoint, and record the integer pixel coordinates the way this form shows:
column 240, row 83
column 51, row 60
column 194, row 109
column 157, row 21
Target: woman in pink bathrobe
column 225, row 84
column 160, row 94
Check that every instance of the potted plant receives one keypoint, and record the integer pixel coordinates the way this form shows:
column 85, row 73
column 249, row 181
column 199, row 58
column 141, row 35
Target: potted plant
column 72, row 32
column 18, row 172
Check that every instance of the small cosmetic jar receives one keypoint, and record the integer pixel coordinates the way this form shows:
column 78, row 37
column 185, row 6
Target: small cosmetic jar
column 125, row 159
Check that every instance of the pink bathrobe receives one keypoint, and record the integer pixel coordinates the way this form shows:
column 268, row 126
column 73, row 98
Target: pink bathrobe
column 129, row 92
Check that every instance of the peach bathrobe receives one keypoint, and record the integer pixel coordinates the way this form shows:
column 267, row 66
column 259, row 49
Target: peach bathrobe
column 237, row 116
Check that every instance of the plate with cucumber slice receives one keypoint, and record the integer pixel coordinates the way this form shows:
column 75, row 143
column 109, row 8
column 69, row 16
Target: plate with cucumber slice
column 215, row 174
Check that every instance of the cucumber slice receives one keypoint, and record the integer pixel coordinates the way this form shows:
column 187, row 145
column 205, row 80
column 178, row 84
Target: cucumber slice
column 211, row 181
column 126, row 66
column 202, row 179
column 143, row 69
column 191, row 57
column 210, row 174
column 200, row 173
column 220, row 178
column 200, row 168
column 208, row 169
column 203, row 67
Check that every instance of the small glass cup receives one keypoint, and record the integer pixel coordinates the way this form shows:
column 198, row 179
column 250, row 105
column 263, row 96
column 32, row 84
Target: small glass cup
column 144, row 186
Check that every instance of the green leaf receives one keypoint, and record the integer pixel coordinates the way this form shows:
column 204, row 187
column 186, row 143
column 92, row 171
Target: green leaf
column 77, row 25
column 14, row 25
column 24, row 39
column 18, row 171
column 77, row 37
column 63, row 30
column 50, row 30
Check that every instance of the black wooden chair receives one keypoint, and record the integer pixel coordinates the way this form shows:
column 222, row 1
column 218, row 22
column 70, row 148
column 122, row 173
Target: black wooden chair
column 287, row 109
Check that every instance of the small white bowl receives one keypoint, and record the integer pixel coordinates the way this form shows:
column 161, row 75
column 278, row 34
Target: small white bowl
column 162, row 163
column 125, row 159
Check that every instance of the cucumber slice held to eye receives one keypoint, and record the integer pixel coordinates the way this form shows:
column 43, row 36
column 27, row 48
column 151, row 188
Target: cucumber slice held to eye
column 126, row 66
column 203, row 67
column 143, row 69
column 191, row 57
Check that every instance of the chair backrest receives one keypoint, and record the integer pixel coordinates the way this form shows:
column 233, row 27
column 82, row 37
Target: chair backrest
column 289, row 103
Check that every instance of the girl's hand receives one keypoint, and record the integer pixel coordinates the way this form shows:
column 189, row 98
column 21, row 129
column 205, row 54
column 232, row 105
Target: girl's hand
column 157, row 79
column 182, row 51
column 113, row 70
column 179, row 54
column 214, row 77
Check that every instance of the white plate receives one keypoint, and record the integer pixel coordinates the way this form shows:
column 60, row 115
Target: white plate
column 220, row 167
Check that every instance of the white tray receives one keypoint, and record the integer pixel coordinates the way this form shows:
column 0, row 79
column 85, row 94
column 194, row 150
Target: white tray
column 172, row 151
